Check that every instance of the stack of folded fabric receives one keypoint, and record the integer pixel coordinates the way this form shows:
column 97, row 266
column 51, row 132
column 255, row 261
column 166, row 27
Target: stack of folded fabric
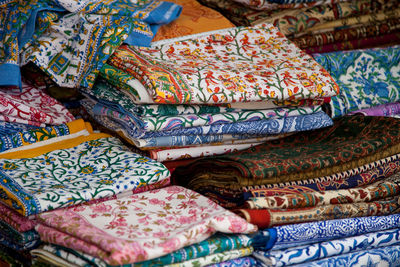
column 195, row 96
column 168, row 226
column 57, row 166
column 321, row 26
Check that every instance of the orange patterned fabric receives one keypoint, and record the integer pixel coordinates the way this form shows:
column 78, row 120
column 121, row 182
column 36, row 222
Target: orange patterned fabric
column 195, row 18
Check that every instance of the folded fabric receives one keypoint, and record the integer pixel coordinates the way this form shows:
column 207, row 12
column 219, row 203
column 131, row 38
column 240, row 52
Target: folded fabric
column 387, row 110
column 307, row 253
column 242, row 261
column 162, row 155
column 215, row 258
column 8, row 243
column 13, row 127
column 213, row 245
column 139, row 227
column 16, row 220
column 387, row 188
column 116, row 104
column 15, row 236
column 390, row 39
column 72, row 171
column 28, row 137
column 293, row 235
column 354, row 32
column 366, row 78
column 359, row 176
column 33, row 106
column 264, row 218
column 301, row 156
column 195, row 18
column 90, row 30
column 386, row 256
column 233, row 65
column 274, row 4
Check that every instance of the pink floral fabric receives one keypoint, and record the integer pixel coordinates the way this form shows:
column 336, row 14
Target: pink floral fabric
column 31, row 106
column 141, row 226
column 16, row 220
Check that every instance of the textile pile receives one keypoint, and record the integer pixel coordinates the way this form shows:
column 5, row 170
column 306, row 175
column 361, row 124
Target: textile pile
column 199, row 133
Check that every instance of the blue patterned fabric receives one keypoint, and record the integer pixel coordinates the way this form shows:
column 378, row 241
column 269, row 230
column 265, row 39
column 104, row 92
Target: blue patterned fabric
column 71, row 40
column 239, row 262
column 305, row 253
column 306, row 233
column 366, row 78
column 212, row 133
column 12, row 127
column 386, row 256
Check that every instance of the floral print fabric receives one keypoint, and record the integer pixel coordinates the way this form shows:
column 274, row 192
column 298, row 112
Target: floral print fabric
column 377, row 85
column 387, row 110
column 141, row 226
column 93, row 169
column 98, row 27
column 234, row 65
column 32, row 106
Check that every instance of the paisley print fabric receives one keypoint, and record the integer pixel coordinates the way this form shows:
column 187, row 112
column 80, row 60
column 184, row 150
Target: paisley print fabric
column 386, row 256
column 63, row 177
column 327, row 249
column 377, row 85
column 264, row 218
column 387, row 188
column 360, row 176
column 90, row 29
column 211, row 73
column 300, row 156
column 130, row 229
column 32, row 106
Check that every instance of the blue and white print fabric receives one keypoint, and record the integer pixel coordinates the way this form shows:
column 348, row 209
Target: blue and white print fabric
column 366, row 78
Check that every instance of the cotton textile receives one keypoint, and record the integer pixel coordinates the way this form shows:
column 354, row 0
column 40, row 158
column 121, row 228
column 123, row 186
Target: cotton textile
column 218, row 69
column 39, row 31
column 137, row 232
column 367, row 78
column 32, row 106
column 92, row 169
column 264, row 218
column 242, row 261
column 301, row 156
column 327, row 249
column 387, row 188
column 387, row 110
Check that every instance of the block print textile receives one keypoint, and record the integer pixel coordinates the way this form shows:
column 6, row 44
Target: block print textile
column 264, row 218
column 213, row 245
column 194, row 18
column 215, row 258
column 141, row 226
column 16, row 220
column 386, row 256
column 303, row 155
column 387, row 110
column 387, row 188
column 306, row 253
column 90, row 30
column 359, row 176
column 18, row 247
column 32, row 106
column 377, row 85
column 62, row 177
column 242, row 261
column 21, row 238
column 116, row 104
column 19, row 139
column 292, row 235
column 215, row 68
